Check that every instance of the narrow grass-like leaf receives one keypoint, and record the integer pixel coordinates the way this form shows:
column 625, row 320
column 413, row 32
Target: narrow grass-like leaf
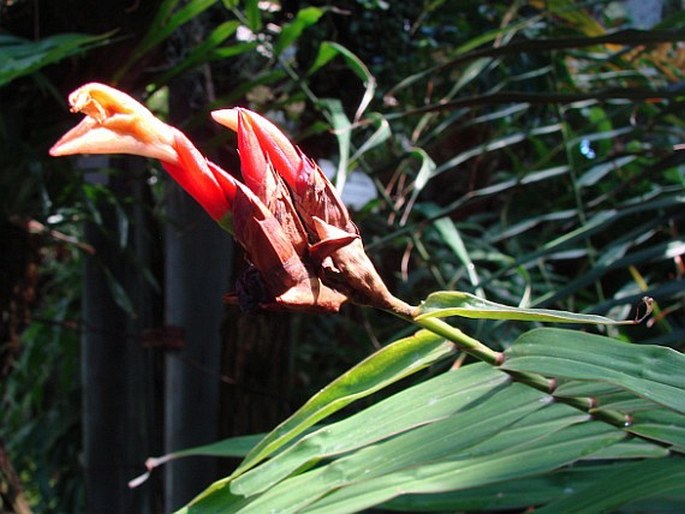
column 167, row 20
column 507, row 185
column 328, row 51
column 553, row 418
column 518, row 494
column 497, row 144
column 662, row 425
column 231, row 447
column 581, row 389
column 596, row 173
column 426, row 171
column 464, row 49
column 379, row 136
column 543, row 454
column 443, row 304
column 19, row 57
column 630, row 449
column 452, row 238
column 424, row 445
column 527, row 224
column 651, row 372
column 290, row 32
column 422, row 404
column 342, row 129
column 208, row 50
column 655, row 253
column 386, row 366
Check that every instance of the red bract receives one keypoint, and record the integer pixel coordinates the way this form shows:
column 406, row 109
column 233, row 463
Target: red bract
column 335, row 247
column 305, row 251
column 274, row 240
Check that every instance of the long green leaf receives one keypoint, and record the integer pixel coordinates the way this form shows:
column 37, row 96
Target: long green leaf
column 425, row 403
column 521, row 494
column 167, row 20
column 657, row 252
column 638, row 480
column 547, row 453
column 660, row 425
column 386, row 366
column 596, row 173
column 379, row 136
column 290, row 32
column 497, row 144
column 342, row 129
column 651, row 372
column 209, row 50
column 472, row 428
column 393, row 362
column 328, row 51
column 434, row 442
column 231, row 447
column 20, row 57
column 450, row 234
column 443, row 304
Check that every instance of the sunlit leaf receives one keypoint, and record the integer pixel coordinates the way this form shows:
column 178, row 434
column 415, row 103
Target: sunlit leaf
column 426, row 403
column 651, row 372
column 449, row 233
column 342, row 130
column 391, row 363
column 443, row 304
column 166, row 21
column 290, row 32
column 386, row 366
column 330, row 50
column 596, row 173
column 382, row 133
column 544, row 454
column 208, row 50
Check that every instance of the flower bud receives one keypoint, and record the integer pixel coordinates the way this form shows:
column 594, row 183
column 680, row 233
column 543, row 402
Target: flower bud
column 335, row 248
column 265, row 224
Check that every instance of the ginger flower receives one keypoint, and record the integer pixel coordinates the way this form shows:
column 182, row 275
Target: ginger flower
column 335, row 245
column 305, row 252
column 115, row 123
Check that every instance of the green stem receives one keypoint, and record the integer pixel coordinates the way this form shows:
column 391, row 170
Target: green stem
column 480, row 351
column 464, row 342
column 483, row 353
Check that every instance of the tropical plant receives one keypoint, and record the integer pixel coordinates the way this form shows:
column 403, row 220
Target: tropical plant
column 306, row 255
column 566, row 422
column 570, row 197
column 527, row 157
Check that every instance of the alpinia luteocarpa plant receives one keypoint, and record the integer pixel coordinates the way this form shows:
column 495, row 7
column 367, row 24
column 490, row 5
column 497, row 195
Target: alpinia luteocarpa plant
column 305, row 251
column 552, row 399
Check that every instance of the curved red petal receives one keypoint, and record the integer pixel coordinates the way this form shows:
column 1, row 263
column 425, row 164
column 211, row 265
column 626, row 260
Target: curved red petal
column 252, row 160
column 207, row 186
column 282, row 153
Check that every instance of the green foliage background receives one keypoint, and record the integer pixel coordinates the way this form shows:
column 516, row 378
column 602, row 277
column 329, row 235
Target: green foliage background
column 530, row 153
